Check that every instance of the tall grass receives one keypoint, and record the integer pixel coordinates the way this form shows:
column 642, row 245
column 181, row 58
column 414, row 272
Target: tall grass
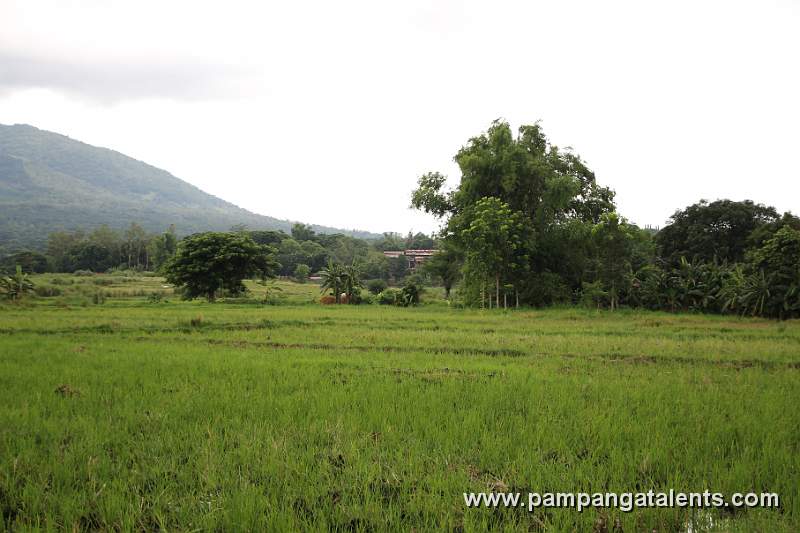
column 193, row 416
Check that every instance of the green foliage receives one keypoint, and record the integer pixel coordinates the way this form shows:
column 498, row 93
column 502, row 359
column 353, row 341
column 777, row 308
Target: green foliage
column 593, row 294
column 496, row 243
column 30, row 262
column 777, row 277
column 208, row 262
column 445, row 268
column 376, row 286
column 303, row 232
column 333, row 279
column 388, row 296
column 352, row 283
column 613, row 240
column 549, row 194
column 410, row 294
column 301, row 273
column 705, row 231
column 17, row 285
column 398, row 268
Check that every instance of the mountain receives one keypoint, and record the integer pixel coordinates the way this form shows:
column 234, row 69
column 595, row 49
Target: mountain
column 49, row 182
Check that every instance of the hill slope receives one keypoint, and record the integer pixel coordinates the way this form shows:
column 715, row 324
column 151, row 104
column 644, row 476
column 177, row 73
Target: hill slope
column 50, row 182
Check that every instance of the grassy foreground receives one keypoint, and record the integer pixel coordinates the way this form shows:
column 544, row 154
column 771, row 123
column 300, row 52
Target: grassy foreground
column 131, row 415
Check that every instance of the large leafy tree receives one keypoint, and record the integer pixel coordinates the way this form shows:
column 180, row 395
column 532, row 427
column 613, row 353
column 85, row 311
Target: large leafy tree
column 208, row 262
column 496, row 242
column 552, row 190
column 721, row 230
column 525, row 171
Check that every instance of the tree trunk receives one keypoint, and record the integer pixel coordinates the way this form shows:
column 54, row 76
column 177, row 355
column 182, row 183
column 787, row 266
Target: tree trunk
column 516, row 294
column 505, row 301
column 497, row 290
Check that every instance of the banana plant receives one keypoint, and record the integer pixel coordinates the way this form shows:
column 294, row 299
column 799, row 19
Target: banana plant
column 17, row 285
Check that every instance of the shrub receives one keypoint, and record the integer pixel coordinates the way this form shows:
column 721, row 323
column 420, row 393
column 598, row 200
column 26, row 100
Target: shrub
column 367, row 298
column 83, row 273
column 410, row 293
column 376, row 286
column 388, row 297
column 155, row 298
column 98, row 298
column 301, row 273
column 47, row 291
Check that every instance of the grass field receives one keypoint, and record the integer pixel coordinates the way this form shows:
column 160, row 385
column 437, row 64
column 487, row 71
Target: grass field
column 139, row 415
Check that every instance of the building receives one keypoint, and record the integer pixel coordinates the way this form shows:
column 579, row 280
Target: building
column 414, row 257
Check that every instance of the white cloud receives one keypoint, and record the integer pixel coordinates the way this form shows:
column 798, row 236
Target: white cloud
column 328, row 112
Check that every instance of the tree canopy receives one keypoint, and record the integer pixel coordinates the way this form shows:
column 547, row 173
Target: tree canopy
column 206, row 263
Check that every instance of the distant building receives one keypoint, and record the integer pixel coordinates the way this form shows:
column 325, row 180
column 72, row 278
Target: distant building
column 414, row 257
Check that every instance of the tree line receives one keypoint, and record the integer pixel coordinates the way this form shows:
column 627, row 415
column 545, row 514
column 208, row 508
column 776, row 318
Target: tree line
column 298, row 254
column 528, row 224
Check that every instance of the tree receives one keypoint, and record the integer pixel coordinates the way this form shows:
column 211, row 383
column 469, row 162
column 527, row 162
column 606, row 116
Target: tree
column 315, row 254
column 303, row 232
column 410, row 293
column 720, row 229
column 333, row 279
column 553, row 191
column 352, row 282
column 208, row 262
column 418, row 241
column 301, row 273
column 613, row 239
column 444, row 266
column 398, row 267
column 290, row 254
column 776, row 266
column 162, row 248
column 135, row 245
column 496, row 241
column 17, row 285
column 267, row 237
column 30, row 262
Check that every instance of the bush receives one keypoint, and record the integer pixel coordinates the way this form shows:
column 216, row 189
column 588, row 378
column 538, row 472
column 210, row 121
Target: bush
column 546, row 288
column 46, row 291
column 155, row 298
column 410, row 293
column 388, row 297
column 376, row 286
column 61, row 281
column 301, row 273
column 83, row 273
column 367, row 298
column 99, row 298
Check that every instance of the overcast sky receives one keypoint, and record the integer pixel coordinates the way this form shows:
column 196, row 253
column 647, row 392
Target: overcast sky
column 327, row 112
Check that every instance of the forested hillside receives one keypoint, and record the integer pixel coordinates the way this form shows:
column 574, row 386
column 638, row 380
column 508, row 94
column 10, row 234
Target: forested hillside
column 49, row 182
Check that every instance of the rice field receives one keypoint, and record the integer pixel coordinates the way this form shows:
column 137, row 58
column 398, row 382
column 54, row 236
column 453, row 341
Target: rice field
column 127, row 412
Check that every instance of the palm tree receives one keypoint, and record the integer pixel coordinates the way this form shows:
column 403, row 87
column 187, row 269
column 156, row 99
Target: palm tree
column 333, row 278
column 16, row 285
column 351, row 280
column 756, row 293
